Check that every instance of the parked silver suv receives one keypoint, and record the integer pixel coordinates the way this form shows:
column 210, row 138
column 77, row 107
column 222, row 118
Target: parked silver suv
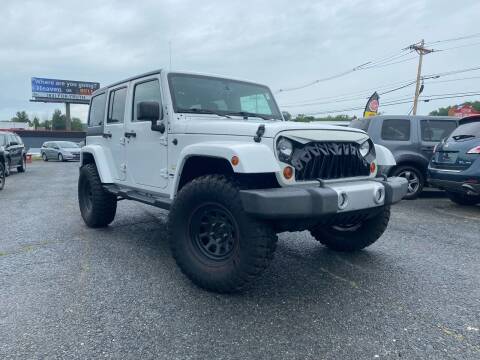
column 60, row 150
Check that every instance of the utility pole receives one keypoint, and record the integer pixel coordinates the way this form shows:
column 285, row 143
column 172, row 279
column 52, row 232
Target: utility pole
column 68, row 120
column 421, row 50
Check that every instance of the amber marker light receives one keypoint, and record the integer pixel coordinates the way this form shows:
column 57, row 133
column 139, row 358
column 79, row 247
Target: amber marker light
column 372, row 167
column 235, row 160
column 287, row 172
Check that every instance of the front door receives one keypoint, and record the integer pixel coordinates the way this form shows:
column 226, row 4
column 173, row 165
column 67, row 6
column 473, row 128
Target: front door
column 114, row 130
column 146, row 149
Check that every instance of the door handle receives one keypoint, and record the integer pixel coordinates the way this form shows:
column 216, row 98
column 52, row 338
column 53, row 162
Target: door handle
column 130, row 134
column 427, row 148
column 107, row 135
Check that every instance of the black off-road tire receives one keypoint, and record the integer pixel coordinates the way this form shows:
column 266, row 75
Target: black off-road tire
column 97, row 206
column 463, row 199
column 355, row 237
column 252, row 242
column 21, row 168
column 415, row 173
column 2, row 176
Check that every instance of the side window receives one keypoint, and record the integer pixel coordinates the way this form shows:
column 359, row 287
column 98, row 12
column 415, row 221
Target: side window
column 97, row 110
column 116, row 106
column 396, row 129
column 255, row 104
column 3, row 140
column 11, row 138
column 146, row 91
column 436, row 130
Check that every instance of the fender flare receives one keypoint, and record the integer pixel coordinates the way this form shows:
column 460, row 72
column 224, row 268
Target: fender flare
column 100, row 161
column 384, row 156
column 254, row 157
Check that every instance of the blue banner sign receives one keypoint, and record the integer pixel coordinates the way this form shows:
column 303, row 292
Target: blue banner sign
column 54, row 90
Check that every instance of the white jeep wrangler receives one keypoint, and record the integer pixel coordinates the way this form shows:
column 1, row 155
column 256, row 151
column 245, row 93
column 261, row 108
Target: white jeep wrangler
column 219, row 156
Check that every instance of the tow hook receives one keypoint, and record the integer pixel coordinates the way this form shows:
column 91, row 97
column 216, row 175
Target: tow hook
column 260, row 132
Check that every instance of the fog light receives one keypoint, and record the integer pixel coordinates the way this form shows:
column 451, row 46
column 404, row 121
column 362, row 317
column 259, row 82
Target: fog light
column 288, row 172
column 342, row 200
column 235, row 160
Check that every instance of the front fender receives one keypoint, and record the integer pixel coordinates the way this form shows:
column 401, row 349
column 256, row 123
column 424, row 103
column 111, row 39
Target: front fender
column 254, row 157
column 384, row 156
column 100, row 161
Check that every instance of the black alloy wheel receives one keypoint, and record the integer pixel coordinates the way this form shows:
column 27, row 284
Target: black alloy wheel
column 213, row 231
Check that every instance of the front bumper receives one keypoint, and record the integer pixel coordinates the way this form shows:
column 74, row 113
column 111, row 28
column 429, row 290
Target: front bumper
column 331, row 198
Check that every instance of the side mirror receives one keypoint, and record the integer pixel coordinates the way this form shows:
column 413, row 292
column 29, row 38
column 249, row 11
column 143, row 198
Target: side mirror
column 56, row 147
column 151, row 111
column 13, row 143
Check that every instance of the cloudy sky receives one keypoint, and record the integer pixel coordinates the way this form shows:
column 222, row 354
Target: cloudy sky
column 281, row 43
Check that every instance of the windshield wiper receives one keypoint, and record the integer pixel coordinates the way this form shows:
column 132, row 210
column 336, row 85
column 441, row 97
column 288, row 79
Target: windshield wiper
column 203, row 111
column 459, row 137
column 247, row 114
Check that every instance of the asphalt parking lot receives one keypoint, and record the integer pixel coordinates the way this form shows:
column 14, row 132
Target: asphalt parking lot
column 70, row 291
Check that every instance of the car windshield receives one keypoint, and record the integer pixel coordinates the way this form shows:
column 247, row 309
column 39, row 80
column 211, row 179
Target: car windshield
column 211, row 95
column 465, row 131
column 66, row 144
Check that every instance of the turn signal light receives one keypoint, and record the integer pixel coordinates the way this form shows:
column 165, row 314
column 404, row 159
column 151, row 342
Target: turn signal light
column 475, row 150
column 235, row 160
column 287, row 172
column 373, row 167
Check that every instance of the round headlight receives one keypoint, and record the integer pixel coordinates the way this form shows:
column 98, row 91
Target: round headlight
column 365, row 148
column 285, row 149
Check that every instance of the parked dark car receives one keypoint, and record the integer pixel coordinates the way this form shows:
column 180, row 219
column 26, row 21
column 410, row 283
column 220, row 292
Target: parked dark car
column 12, row 152
column 411, row 139
column 455, row 165
column 60, row 150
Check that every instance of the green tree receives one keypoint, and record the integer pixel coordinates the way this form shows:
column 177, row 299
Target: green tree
column 21, row 116
column 77, row 124
column 58, row 120
column 35, row 122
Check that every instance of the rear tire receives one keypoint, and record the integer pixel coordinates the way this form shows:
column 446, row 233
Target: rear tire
column 415, row 179
column 97, row 206
column 7, row 167
column 463, row 199
column 21, row 168
column 2, row 176
column 353, row 237
column 215, row 243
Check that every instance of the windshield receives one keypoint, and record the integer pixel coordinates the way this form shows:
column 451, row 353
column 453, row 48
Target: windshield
column 468, row 130
column 66, row 144
column 204, row 94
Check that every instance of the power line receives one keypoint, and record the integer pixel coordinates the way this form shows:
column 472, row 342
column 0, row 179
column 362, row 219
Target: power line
column 455, row 39
column 458, row 47
column 368, row 65
column 396, row 102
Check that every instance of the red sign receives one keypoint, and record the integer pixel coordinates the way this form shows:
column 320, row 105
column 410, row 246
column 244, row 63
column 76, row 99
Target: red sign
column 462, row 111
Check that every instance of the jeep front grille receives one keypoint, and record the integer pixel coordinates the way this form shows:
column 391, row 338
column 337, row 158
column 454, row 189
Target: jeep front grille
column 329, row 160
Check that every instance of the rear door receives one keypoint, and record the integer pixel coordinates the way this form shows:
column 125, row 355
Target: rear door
column 432, row 132
column 115, row 128
column 14, row 149
column 395, row 134
column 146, row 149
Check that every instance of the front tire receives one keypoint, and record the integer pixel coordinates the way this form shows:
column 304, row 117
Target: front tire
column 415, row 179
column 214, row 242
column 463, row 199
column 7, row 167
column 97, row 206
column 44, row 157
column 353, row 237
column 60, row 157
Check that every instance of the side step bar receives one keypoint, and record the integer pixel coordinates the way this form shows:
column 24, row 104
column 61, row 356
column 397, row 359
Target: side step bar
column 162, row 202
